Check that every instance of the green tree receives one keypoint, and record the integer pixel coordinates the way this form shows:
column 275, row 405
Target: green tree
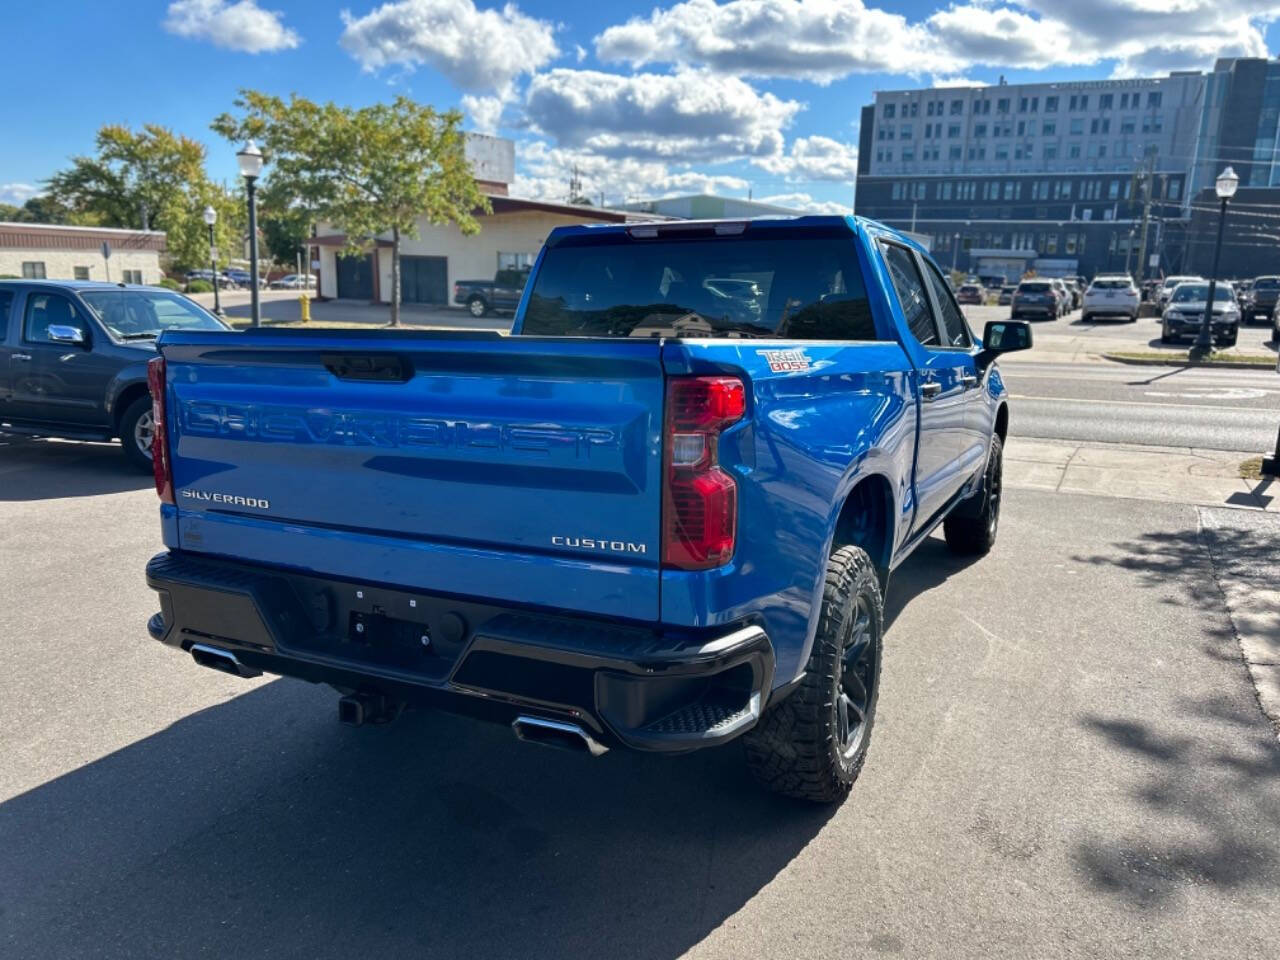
column 154, row 178
column 368, row 171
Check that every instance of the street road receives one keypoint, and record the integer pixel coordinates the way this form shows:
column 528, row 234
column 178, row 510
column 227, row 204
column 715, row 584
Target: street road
column 1068, row 761
column 1211, row 409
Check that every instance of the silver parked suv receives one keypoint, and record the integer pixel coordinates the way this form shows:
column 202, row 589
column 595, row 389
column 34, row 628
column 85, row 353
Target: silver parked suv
column 1112, row 296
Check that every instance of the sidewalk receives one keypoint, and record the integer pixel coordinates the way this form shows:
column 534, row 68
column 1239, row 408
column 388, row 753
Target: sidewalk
column 1173, row 474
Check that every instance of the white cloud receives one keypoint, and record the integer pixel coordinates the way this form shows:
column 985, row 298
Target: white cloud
column 17, row 193
column 687, row 116
column 242, row 26
column 806, row 203
column 545, row 170
column 485, row 112
column 481, row 51
column 956, row 82
column 815, row 158
column 579, row 52
column 824, row 40
column 819, row 40
column 1140, row 36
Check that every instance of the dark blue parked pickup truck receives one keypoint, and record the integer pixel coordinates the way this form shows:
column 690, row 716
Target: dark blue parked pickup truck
column 662, row 514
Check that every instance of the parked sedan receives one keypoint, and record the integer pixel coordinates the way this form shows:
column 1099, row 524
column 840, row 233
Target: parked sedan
column 295, row 281
column 1185, row 313
column 1112, row 297
column 1034, row 298
column 971, row 294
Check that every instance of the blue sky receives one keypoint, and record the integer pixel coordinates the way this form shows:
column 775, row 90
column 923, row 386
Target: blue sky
column 647, row 99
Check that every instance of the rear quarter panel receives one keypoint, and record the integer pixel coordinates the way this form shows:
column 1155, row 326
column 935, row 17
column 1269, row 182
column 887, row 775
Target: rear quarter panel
column 809, row 436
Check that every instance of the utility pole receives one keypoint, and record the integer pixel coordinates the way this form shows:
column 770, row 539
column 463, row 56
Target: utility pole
column 1147, row 175
column 575, row 184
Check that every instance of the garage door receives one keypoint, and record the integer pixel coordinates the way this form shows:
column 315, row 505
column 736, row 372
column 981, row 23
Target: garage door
column 355, row 277
column 424, row 279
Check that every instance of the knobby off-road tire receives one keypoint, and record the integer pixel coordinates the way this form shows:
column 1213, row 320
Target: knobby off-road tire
column 971, row 529
column 812, row 745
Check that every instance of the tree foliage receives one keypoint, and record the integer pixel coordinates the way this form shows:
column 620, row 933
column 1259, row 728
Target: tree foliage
column 154, row 176
column 368, row 170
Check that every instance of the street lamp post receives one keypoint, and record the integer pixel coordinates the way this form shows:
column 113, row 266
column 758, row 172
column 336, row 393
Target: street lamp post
column 250, row 161
column 210, row 218
column 955, row 253
column 1226, row 189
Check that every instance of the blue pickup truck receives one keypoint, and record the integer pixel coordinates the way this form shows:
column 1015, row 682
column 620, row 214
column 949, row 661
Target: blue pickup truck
column 661, row 514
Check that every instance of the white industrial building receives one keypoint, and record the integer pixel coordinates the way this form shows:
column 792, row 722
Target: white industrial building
column 39, row 251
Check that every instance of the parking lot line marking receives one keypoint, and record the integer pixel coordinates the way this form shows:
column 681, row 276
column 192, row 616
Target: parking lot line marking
column 1133, row 403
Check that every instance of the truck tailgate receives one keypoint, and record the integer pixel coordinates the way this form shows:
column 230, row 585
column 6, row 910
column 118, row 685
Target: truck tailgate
column 514, row 468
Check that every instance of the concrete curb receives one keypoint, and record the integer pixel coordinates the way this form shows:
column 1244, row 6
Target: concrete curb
column 1242, row 364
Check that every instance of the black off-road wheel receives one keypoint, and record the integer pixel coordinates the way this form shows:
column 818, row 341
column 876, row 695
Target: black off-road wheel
column 812, row 745
column 971, row 528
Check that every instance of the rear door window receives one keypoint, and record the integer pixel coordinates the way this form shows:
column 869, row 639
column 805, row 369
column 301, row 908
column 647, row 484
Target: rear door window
column 773, row 283
column 909, row 286
column 954, row 330
column 6, row 307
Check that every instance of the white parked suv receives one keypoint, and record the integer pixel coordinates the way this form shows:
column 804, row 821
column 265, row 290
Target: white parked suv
column 1166, row 288
column 1111, row 296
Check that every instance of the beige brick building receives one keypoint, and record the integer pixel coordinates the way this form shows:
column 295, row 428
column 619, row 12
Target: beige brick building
column 53, row 252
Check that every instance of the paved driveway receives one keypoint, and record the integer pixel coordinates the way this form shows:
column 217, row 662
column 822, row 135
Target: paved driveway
column 1069, row 761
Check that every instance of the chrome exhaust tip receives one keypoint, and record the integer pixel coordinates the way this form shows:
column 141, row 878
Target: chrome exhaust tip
column 225, row 661
column 558, row 734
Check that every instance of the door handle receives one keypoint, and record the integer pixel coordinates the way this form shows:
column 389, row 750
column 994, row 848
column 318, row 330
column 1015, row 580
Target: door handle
column 969, row 380
column 21, row 356
column 930, row 389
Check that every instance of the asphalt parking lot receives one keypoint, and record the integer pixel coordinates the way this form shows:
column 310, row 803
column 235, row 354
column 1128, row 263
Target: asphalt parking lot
column 1069, row 761
column 1073, row 335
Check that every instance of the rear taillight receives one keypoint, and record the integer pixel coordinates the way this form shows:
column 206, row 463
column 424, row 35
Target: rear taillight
column 160, row 435
column 699, row 499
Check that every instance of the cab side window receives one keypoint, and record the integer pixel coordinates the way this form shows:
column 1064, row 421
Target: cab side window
column 49, row 309
column 911, row 293
column 954, row 329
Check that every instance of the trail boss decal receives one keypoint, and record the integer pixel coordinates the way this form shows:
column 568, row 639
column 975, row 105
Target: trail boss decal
column 785, row 361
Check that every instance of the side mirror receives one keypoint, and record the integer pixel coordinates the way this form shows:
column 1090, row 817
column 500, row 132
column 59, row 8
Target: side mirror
column 60, row 333
column 1003, row 336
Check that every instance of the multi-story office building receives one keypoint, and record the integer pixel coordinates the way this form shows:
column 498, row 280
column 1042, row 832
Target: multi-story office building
column 1044, row 176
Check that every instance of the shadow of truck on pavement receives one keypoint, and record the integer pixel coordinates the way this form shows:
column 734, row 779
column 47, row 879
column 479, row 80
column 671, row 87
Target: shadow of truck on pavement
column 262, row 828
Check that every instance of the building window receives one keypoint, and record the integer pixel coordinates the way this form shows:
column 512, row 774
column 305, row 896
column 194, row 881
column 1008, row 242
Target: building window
column 889, row 109
column 904, row 131
column 1008, row 189
column 957, row 107
column 1035, row 104
column 1154, row 98
column 132, row 276
column 1050, row 104
column 1051, row 151
column 1077, row 126
column 953, row 130
column 1070, row 246
column 515, row 261
column 1073, row 151
column 1124, row 101
column 1113, row 190
column 896, row 192
column 1023, row 103
column 914, row 108
column 1002, row 152
column 979, row 130
column 1105, row 101
column 928, row 111
column 908, row 154
column 1051, row 243
column 1002, row 105
column 1128, row 125
column 33, row 270
column 1050, row 128
column 1175, row 188
column 955, row 153
column 1022, row 128
column 1108, row 214
column 81, row 273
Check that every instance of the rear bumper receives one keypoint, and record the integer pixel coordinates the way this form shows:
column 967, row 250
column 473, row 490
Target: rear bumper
column 638, row 687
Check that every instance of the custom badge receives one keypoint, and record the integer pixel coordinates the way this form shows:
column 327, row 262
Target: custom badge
column 785, row 361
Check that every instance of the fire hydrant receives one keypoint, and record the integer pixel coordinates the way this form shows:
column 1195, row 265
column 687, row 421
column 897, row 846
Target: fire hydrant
column 304, row 303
